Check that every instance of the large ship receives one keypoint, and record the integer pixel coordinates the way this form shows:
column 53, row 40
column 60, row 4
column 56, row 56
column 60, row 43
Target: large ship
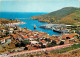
column 60, row 30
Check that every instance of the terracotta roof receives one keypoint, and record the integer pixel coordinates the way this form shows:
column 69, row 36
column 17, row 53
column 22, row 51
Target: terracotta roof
column 56, row 40
column 25, row 36
column 2, row 29
column 43, row 41
column 5, row 38
column 39, row 35
column 53, row 35
column 51, row 38
column 69, row 35
column 13, row 34
column 27, row 45
column 33, row 37
column 2, row 40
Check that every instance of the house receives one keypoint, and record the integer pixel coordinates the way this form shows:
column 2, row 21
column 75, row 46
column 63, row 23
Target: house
column 52, row 37
column 19, row 28
column 3, row 30
column 57, row 41
column 46, row 36
column 30, row 39
column 44, row 42
column 10, row 30
column 25, row 37
column 16, row 36
column 69, row 36
column 34, row 42
column 3, row 40
column 19, row 49
column 39, row 36
column 19, row 38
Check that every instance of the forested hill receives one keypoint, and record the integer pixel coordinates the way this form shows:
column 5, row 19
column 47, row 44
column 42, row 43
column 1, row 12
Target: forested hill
column 67, row 15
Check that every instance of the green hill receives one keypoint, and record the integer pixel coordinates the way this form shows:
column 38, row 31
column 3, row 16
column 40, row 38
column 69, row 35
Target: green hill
column 60, row 16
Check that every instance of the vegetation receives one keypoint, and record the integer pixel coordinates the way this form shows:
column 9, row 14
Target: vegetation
column 67, row 15
column 23, row 43
column 66, row 49
column 5, row 21
column 59, row 53
column 53, row 43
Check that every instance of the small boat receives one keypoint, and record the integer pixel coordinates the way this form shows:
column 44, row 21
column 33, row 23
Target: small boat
column 34, row 26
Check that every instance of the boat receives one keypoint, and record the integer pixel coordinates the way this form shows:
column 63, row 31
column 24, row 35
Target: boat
column 34, row 26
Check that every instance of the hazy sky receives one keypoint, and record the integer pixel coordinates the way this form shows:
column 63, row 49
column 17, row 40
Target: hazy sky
column 35, row 5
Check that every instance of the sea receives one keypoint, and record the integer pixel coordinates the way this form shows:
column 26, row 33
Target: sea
column 29, row 22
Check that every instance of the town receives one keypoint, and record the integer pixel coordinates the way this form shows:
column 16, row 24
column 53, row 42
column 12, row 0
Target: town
column 14, row 39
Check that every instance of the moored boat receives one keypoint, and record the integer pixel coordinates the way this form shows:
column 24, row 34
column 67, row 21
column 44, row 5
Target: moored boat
column 34, row 26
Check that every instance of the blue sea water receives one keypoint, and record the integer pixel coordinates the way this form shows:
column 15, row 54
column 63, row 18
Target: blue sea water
column 29, row 22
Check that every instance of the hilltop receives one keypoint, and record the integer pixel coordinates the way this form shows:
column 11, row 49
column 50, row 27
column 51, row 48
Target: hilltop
column 67, row 15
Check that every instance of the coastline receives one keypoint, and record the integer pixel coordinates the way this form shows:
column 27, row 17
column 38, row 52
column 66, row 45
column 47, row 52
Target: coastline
column 15, row 24
column 45, row 21
column 35, row 19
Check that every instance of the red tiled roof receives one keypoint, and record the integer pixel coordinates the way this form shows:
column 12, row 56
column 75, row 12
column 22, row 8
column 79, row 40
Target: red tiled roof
column 27, row 45
column 43, row 41
column 25, row 36
column 2, row 29
column 70, row 35
column 5, row 38
column 33, row 37
column 39, row 35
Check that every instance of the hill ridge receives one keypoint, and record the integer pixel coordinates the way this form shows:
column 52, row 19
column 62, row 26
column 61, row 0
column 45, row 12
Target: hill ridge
column 57, row 16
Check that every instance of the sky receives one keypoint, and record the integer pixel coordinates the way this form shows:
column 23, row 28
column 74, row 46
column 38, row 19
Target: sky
column 36, row 5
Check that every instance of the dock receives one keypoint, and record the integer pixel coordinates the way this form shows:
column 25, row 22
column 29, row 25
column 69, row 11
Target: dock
column 61, row 28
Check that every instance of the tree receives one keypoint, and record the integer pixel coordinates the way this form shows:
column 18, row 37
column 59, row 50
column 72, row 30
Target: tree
column 48, row 39
column 67, row 37
column 31, row 56
column 43, row 46
column 26, row 48
column 61, row 43
column 53, row 42
column 7, row 33
column 49, row 45
column 25, row 42
column 18, row 45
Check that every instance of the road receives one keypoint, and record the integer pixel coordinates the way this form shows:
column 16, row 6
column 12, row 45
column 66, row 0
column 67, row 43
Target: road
column 35, row 51
column 39, row 50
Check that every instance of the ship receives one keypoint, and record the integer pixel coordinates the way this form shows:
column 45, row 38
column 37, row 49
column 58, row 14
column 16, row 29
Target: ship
column 34, row 26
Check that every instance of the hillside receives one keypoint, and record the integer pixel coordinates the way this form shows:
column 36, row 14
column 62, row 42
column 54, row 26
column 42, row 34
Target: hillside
column 5, row 21
column 60, row 16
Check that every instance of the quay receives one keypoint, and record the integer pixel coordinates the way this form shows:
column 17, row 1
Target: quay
column 61, row 28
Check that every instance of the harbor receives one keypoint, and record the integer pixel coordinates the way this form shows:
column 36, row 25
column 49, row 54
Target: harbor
column 61, row 28
column 34, row 25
